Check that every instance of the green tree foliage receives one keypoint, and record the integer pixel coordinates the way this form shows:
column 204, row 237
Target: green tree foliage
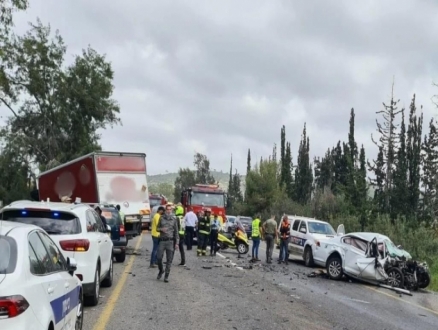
column 303, row 172
column 429, row 205
column 165, row 189
column 56, row 109
column 187, row 178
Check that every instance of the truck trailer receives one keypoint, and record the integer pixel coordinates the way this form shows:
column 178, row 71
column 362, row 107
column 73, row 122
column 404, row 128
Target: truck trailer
column 102, row 178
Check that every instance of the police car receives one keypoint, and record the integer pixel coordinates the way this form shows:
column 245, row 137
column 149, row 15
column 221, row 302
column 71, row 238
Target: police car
column 38, row 288
column 79, row 233
column 305, row 236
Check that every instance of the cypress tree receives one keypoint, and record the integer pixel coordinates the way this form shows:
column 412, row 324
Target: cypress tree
column 304, row 172
column 429, row 204
column 283, row 165
column 399, row 204
column 288, row 179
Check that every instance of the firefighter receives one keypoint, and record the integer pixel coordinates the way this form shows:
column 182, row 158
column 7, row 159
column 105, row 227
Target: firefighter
column 179, row 212
column 203, row 232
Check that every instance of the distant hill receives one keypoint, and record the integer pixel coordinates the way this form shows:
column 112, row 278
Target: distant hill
column 169, row 178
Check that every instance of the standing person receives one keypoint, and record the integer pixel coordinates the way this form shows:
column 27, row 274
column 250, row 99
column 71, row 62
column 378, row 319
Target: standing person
column 215, row 225
column 190, row 221
column 169, row 241
column 179, row 212
column 155, row 236
column 270, row 234
column 284, row 240
column 99, row 211
column 203, row 233
column 256, row 236
column 122, row 215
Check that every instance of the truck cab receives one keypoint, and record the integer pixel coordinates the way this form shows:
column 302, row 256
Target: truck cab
column 201, row 196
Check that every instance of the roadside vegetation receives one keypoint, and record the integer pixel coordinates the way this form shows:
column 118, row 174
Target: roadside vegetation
column 394, row 194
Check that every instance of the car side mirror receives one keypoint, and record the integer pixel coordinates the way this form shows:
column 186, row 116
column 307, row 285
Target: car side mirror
column 108, row 228
column 303, row 230
column 72, row 265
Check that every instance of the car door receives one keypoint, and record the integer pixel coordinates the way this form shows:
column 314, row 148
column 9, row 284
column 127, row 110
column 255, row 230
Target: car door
column 356, row 261
column 71, row 292
column 106, row 245
column 50, row 278
column 301, row 237
column 367, row 263
column 96, row 236
column 294, row 237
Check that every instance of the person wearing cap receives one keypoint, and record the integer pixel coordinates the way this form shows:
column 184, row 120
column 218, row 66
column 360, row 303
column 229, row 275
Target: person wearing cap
column 203, row 233
column 215, row 226
column 179, row 212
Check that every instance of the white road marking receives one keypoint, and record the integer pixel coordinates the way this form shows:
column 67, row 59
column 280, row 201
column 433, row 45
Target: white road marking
column 361, row 301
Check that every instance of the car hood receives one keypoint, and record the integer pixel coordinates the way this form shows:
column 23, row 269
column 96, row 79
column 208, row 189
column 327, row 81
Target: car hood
column 323, row 237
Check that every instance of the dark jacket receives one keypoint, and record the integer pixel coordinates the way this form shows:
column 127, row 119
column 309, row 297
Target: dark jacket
column 285, row 230
column 170, row 225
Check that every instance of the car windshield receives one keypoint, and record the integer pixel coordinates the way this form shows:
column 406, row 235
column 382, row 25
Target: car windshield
column 245, row 221
column 154, row 201
column 53, row 222
column 112, row 216
column 199, row 198
column 8, row 255
column 320, row 228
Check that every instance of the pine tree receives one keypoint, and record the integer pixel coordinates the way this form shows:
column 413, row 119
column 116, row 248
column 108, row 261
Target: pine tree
column 238, row 198
column 288, row 179
column 429, row 204
column 283, row 165
column 399, row 203
column 352, row 145
column 339, row 169
column 413, row 153
column 379, row 181
column 248, row 162
column 387, row 143
column 304, row 172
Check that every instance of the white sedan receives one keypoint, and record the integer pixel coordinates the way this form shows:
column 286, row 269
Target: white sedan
column 38, row 288
column 358, row 255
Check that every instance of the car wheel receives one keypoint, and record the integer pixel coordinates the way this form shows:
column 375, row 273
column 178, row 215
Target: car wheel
column 334, row 267
column 108, row 281
column 242, row 248
column 80, row 313
column 396, row 278
column 121, row 257
column 93, row 300
column 308, row 257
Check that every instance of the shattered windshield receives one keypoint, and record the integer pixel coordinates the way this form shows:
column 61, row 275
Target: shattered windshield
column 320, row 228
column 394, row 251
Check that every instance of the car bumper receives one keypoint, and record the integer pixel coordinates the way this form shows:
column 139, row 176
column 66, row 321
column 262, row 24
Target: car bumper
column 27, row 320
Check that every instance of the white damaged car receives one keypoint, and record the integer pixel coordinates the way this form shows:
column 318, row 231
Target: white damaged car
column 370, row 257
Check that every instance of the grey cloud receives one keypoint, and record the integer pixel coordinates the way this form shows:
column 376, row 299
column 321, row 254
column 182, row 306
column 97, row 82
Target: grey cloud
column 223, row 77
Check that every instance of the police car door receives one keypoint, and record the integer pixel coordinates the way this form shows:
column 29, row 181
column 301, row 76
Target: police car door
column 51, row 280
column 302, row 237
column 294, row 238
column 70, row 300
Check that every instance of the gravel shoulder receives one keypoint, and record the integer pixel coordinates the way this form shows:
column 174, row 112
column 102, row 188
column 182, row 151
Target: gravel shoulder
column 212, row 292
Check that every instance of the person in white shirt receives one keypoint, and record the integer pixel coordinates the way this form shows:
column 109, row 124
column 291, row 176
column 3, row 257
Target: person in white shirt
column 190, row 220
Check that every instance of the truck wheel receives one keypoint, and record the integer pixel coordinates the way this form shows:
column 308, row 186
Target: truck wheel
column 308, row 257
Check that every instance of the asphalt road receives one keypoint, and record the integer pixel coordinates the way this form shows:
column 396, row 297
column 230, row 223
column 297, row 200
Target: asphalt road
column 222, row 293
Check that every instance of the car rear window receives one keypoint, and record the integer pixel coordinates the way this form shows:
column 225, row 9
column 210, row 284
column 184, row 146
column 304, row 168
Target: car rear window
column 112, row 216
column 8, row 255
column 54, row 223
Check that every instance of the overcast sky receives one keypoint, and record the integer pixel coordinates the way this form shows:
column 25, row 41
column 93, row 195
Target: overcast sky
column 220, row 77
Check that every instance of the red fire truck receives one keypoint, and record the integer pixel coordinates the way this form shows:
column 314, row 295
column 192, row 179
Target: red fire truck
column 205, row 195
column 157, row 199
